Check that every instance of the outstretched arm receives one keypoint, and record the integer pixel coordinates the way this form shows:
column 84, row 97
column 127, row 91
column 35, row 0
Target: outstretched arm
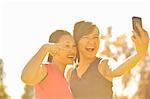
column 141, row 45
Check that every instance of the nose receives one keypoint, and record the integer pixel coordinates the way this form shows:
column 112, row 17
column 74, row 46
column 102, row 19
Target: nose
column 90, row 41
column 72, row 50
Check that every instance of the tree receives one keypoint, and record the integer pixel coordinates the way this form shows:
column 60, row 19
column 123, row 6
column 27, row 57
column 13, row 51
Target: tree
column 3, row 94
column 29, row 92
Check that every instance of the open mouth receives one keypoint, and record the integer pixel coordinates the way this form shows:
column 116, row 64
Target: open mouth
column 90, row 49
column 71, row 57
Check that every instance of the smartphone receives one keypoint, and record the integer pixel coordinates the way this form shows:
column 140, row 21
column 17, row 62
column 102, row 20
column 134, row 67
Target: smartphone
column 134, row 21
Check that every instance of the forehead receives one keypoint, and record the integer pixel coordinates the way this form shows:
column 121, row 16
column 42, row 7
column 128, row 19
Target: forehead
column 66, row 38
column 93, row 32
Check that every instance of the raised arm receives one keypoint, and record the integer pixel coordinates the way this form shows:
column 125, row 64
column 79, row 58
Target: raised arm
column 33, row 71
column 141, row 45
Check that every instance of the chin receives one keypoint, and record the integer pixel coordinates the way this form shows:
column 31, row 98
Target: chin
column 91, row 55
column 70, row 63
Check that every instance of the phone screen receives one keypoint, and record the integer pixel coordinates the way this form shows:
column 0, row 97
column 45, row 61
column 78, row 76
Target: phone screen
column 134, row 21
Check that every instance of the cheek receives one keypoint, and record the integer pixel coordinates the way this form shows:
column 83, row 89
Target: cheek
column 62, row 54
column 81, row 47
column 82, row 43
column 97, row 42
column 75, row 51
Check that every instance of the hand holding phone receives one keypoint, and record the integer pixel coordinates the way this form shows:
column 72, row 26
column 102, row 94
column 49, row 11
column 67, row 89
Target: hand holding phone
column 136, row 20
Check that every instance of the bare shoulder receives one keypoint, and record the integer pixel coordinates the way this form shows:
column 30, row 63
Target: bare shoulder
column 105, row 69
column 102, row 65
column 108, row 62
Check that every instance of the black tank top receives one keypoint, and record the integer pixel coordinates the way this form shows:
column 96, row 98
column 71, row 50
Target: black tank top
column 92, row 85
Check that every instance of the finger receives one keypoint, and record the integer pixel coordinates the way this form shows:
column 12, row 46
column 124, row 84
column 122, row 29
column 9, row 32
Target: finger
column 52, row 43
column 133, row 38
column 141, row 30
column 135, row 41
column 58, row 45
column 145, row 35
column 135, row 35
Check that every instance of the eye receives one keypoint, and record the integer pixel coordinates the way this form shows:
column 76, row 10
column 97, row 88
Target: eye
column 84, row 37
column 96, row 37
column 67, row 45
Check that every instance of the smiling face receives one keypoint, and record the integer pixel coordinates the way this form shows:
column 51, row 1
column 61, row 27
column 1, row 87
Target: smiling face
column 88, row 44
column 67, row 50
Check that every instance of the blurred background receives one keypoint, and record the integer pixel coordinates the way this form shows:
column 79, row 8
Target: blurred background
column 26, row 24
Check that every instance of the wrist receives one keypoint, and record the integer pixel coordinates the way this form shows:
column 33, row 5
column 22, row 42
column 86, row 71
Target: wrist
column 141, row 55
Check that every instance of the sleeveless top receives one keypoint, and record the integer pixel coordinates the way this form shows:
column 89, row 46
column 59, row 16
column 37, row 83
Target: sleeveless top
column 53, row 86
column 92, row 85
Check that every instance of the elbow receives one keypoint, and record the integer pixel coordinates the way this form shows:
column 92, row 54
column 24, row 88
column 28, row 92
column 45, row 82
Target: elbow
column 24, row 79
column 27, row 80
column 117, row 74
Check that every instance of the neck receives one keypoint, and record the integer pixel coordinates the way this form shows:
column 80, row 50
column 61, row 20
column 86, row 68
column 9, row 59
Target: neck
column 61, row 67
column 85, row 61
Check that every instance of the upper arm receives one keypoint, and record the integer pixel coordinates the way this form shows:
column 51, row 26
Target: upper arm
column 40, row 75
